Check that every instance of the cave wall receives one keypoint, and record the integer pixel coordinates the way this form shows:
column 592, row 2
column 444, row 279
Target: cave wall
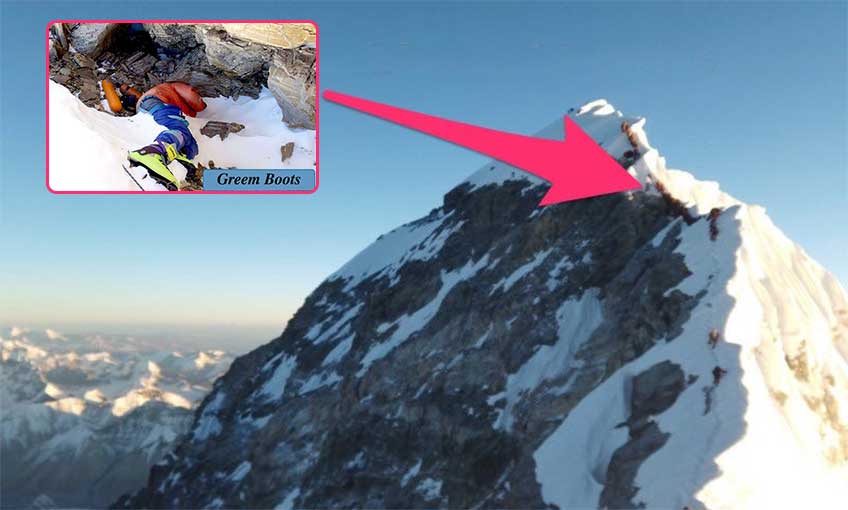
column 231, row 59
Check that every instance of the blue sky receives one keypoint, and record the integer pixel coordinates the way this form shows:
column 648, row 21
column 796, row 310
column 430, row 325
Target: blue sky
column 751, row 95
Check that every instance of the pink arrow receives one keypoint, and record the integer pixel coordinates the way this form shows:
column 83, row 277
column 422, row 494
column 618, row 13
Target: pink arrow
column 576, row 168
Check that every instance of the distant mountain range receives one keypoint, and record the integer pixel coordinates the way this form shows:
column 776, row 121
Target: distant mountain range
column 85, row 417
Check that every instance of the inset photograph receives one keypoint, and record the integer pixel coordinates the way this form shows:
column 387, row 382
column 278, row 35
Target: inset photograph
column 138, row 107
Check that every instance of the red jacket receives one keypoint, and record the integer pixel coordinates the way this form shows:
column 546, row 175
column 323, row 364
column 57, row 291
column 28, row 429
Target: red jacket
column 178, row 94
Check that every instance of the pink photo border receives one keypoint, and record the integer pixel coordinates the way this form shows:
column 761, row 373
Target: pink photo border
column 103, row 192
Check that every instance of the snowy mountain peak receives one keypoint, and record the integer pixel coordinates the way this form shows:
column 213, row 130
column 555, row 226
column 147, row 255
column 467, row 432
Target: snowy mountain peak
column 666, row 347
column 625, row 139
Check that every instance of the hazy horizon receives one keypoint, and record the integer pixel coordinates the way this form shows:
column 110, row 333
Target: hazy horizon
column 234, row 338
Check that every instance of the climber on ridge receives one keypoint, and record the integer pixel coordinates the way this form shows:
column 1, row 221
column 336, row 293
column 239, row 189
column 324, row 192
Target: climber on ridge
column 167, row 103
column 718, row 373
column 714, row 338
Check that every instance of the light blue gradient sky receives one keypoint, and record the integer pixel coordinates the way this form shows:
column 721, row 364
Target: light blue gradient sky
column 751, row 95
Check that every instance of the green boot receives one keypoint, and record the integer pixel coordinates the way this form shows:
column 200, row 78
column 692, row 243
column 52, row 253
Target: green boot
column 190, row 166
column 150, row 158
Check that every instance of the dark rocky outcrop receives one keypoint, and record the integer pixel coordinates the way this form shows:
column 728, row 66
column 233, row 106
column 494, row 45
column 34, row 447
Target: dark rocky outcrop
column 229, row 60
column 173, row 38
column 418, row 425
column 619, row 489
column 655, row 390
column 286, row 151
column 91, row 39
column 234, row 56
column 220, row 129
column 292, row 79
column 652, row 392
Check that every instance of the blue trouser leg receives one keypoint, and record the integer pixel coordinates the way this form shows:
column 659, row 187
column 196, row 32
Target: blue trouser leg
column 171, row 117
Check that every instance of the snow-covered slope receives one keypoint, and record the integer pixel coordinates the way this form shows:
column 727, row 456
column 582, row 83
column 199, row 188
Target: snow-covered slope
column 88, row 147
column 84, row 417
column 667, row 347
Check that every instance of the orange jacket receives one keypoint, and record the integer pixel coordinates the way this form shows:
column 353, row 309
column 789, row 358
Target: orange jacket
column 178, row 94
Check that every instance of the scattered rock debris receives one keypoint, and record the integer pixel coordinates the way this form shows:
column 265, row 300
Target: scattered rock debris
column 196, row 178
column 191, row 185
column 212, row 165
column 215, row 128
column 130, row 56
column 287, row 150
column 217, row 61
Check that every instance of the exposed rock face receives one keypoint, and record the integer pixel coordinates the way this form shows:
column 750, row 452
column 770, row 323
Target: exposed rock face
column 92, row 38
column 381, row 412
column 286, row 151
column 653, row 391
column 280, row 56
column 58, row 40
column 174, row 37
column 619, row 485
column 215, row 128
column 494, row 354
column 232, row 55
column 291, row 79
column 194, row 68
column 279, row 35
column 183, row 36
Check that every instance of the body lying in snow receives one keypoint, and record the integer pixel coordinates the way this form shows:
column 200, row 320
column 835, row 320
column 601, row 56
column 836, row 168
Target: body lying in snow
column 168, row 103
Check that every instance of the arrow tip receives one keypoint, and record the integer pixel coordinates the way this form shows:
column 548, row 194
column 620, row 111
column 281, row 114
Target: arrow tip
column 594, row 171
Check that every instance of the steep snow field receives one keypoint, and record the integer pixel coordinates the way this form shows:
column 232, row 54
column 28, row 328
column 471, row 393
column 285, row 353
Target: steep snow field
column 88, row 147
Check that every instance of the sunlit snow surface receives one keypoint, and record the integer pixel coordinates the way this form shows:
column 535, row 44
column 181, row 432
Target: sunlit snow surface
column 773, row 438
column 765, row 296
column 88, row 147
column 769, row 300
